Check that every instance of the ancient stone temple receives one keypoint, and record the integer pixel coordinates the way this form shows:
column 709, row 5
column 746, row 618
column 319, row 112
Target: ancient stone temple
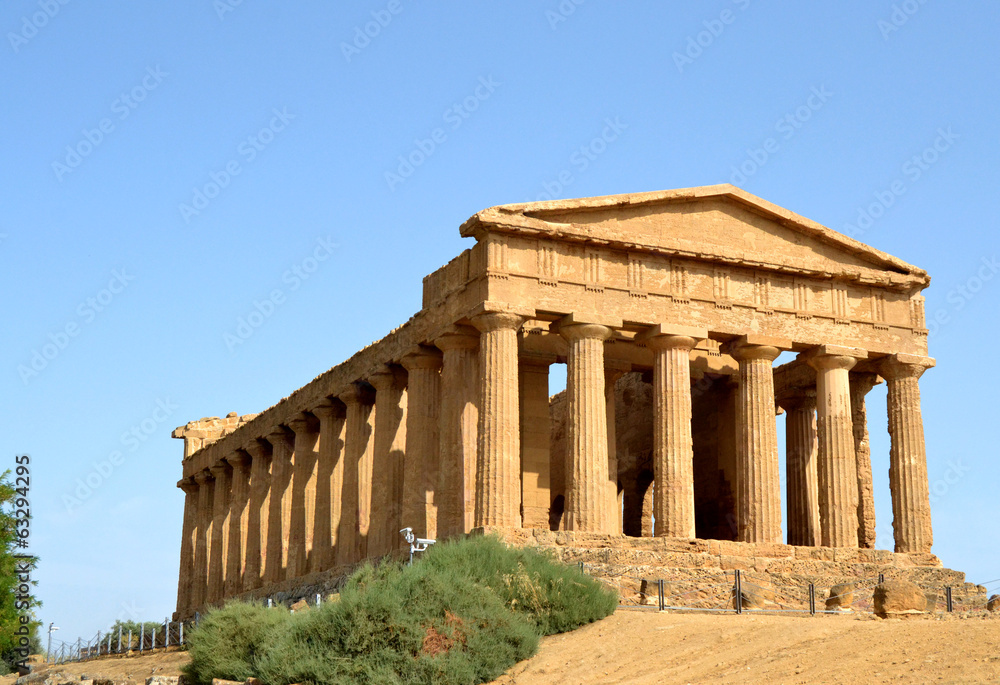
column 669, row 310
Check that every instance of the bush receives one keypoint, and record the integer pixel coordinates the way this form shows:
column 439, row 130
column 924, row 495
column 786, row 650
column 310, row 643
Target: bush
column 465, row 613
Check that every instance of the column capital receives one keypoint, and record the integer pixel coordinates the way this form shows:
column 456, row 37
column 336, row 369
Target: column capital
column 386, row 377
column 257, row 449
column 898, row 366
column 357, row 392
column 585, row 331
column 239, row 460
column 302, row 423
column 862, row 383
column 280, row 434
column 188, row 485
column 805, row 399
column 666, row 336
column 325, row 409
column 749, row 347
column 423, row 357
column 203, row 477
column 458, row 338
column 828, row 357
column 496, row 321
column 219, row 468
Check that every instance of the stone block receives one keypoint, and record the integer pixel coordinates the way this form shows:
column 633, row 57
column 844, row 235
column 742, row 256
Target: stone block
column 841, row 597
column 773, row 550
column 895, row 597
column 993, row 604
column 731, row 563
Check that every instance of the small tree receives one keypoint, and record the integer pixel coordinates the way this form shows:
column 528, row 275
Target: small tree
column 18, row 624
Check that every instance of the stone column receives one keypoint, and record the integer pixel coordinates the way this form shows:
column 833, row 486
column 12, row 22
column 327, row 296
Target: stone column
column 421, row 464
column 861, row 384
column 587, row 505
column 279, row 522
column 304, row 481
column 911, row 508
column 329, row 484
column 189, row 543
column 220, row 532
column 612, row 372
column 837, row 461
column 801, row 476
column 387, row 468
column 758, row 496
column 259, row 513
column 673, row 450
column 498, row 485
column 536, row 451
column 203, row 545
column 457, row 430
column 239, row 514
column 355, row 514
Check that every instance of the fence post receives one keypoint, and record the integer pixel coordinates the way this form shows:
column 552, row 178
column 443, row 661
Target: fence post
column 98, row 643
column 152, row 646
column 181, row 641
column 119, row 639
column 319, row 599
column 659, row 588
column 129, row 648
column 166, row 633
column 812, row 599
column 881, row 578
column 581, row 568
column 947, row 599
column 739, row 592
column 142, row 636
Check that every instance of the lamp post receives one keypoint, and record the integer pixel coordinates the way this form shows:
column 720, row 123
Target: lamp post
column 48, row 651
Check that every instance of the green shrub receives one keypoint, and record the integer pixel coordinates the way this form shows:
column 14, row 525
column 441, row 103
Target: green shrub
column 465, row 613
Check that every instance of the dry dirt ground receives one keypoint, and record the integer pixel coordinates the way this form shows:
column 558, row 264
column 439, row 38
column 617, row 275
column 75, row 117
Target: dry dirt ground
column 646, row 647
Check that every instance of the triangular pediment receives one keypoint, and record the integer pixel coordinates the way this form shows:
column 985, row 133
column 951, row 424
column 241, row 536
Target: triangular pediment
column 713, row 223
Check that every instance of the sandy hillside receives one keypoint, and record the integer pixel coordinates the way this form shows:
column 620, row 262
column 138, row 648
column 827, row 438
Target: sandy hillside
column 646, row 647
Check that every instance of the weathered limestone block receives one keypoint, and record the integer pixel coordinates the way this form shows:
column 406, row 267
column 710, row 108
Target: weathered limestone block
column 754, row 596
column 993, row 604
column 841, row 597
column 898, row 596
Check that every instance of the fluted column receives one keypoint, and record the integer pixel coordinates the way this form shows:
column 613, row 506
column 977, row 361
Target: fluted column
column 329, row 484
column 587, row 505
column 189, row 542
column 259, row 513
column 861, row 384
column 673, row 451
column 387, row 468
column 611, row 376
column 536, row 439
column 279, row 515
column 801, row 475
column 239, row 514
column 498, row 485
column 459, row 421
column 304, row 480
column 911, row 508
column 355, row 515
column 203, row 546
column 837, row 461
column 220, row 532
column 421, row 466
column 758, row 498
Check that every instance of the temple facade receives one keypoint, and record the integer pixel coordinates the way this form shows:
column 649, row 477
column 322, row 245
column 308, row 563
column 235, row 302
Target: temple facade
column 669, row 310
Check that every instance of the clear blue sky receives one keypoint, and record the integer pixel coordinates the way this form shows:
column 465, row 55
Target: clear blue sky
column 114, row 118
